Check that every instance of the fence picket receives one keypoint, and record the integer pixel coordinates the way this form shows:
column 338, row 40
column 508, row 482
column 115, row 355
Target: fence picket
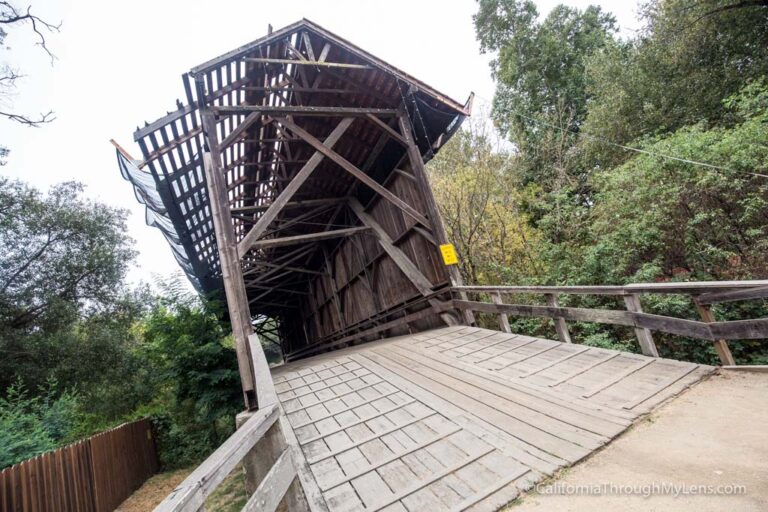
column 93, row 475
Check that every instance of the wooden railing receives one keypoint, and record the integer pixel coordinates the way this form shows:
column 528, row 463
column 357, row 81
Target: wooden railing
column 703, row 294
column 263, row 443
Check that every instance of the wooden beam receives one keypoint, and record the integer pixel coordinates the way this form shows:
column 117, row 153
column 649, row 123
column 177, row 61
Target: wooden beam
column 234, row 287
column 303, row 111
column 503, row 317
column 388, row 129
column 334, row 288
column 413, row 317
column 293, row 186
column 316, row 63
column 308, row 203
column 308, row 44
column 190, row 494
column 644, row 337
column 301, row 89
column 721, row 346
column 760, row 292
column 239, row 129
column 436, row 220
column 309, row 237
column 354, row 171
column 561, row 326
column 283, row 261
column 273, row 265
column 273, row 487
column 406, row 266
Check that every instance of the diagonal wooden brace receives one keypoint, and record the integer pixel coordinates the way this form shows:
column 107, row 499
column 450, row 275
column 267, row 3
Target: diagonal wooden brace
column 293, row 186
column 400, row 259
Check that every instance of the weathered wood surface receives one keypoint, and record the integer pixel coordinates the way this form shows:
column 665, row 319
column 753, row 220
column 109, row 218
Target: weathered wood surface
column 190, row 495
column 298, row 122
column 760, row 292
column 460, row 417
column 731, row 330
column 703, row 294
column 671, row 288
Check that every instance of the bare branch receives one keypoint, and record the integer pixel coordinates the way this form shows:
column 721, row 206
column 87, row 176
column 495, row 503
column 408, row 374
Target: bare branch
column 43, row 119
column 9, row 15
column 9, row 77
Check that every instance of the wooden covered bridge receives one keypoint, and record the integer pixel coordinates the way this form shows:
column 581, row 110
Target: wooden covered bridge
column 293, row 179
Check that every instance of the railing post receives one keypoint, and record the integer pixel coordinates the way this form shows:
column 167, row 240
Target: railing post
column 561, row 326
column 721, row 346
column 259, row 461
column 503, row 318
column 644, row 337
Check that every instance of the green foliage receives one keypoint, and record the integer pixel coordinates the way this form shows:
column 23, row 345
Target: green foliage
column 471, row 181
column 689, row 85
column 195, row 370
column 31, row 425
column 66, row 316
column 63, row 260
column 685, row 220
column 541, row 80
column 689, row 57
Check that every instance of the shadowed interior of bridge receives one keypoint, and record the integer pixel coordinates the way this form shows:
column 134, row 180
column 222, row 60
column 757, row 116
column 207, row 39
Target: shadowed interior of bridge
column 461, row 418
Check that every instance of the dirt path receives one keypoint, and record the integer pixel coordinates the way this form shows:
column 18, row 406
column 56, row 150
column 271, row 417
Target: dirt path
column 154, row 490
column 715, row 434
column 229, row 496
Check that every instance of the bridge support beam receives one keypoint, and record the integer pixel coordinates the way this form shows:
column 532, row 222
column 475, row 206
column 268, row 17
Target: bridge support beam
column 232, row 274
column 433, row 212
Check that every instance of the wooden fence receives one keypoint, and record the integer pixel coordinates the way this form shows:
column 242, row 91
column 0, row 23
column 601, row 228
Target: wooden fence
column 93, row 475
column 703, row 295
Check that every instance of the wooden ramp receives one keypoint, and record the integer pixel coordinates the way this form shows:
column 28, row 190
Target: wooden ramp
column 460, row 418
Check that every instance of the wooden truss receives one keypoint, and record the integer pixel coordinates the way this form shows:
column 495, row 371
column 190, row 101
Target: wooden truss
column 295, row 177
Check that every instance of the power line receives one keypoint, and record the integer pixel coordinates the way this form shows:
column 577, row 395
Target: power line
column 637, row 150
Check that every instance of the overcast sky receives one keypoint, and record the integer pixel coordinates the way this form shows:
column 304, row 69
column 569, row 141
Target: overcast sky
column 119, row 64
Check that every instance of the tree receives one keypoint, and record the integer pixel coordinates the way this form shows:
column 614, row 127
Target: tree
column 688, row 57
column 656, row 218
column 187, row 352
column 541, row 93
column 31, row 425
column 63, row 260
column 478, row 198
column 13, row 17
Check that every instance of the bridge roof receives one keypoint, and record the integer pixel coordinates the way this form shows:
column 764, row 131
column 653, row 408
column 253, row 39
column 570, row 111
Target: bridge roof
column 249, row 88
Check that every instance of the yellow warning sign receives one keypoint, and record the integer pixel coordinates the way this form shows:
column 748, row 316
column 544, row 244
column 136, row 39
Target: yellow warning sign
column 449, row 254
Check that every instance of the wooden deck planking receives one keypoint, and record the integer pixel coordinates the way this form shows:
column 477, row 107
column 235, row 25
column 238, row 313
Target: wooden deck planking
column 461, row 418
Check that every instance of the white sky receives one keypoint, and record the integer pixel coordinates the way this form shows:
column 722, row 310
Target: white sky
column 120, row 63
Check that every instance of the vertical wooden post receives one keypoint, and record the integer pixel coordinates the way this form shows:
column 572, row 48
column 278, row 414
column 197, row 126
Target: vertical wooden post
column 721, row 346
column 644, row 337
column 561, row 326
column 503, row 318
column 231, row 271
column 433, row 212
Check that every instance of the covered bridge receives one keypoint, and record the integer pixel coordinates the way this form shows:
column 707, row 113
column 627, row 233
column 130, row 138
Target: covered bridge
column 293, row 179
column 318, row 152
